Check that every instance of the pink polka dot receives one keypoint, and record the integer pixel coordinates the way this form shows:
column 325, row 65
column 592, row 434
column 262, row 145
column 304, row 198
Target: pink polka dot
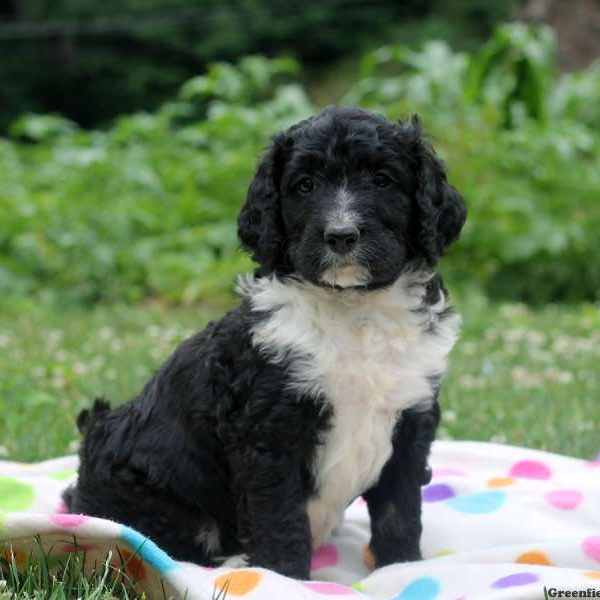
column 328, row 588
column 449, row 472
column 67, row 520
column 591, row 547
column 531, row 469
column 564, row 499
column 323, row 557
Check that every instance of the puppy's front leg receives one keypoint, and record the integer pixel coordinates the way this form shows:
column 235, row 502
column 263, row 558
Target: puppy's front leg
column 275, row 523
column 395, row 501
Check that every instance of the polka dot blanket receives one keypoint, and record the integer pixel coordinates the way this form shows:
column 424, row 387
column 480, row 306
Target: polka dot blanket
column 499, row 522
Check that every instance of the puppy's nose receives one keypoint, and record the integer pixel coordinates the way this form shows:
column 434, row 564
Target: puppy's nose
column 341, row 239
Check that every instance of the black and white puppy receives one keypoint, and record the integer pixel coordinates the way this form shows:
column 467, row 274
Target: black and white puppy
column 258, row 432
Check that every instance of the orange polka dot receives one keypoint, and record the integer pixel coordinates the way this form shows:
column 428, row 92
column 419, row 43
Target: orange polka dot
column 533, row 558
column 444, row 552
column 133, row 565
column 592, row 574
column 497, row 482
column 10, row 554
column 238, row 583
column 368, row 557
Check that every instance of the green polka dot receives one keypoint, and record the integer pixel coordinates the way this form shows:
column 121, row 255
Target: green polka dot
column 15, row 495
column 64, row 474
column 358, row 586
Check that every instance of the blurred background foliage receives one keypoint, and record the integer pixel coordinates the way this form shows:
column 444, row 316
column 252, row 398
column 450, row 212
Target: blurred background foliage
column 92, row 61
column 98, row 207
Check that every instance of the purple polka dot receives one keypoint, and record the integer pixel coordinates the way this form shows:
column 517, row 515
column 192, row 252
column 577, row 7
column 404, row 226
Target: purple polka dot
column 437, row 492
column 515, row 580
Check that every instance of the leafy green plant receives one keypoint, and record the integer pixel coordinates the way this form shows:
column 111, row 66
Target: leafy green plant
column 575, row 97
column 513, row 72
column 431, row 77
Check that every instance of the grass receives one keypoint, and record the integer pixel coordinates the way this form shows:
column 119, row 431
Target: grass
column 41, row 580
column 44, row 578
column 518, row 375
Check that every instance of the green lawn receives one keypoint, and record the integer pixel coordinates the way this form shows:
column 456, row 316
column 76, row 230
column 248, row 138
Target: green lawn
column 518, row 375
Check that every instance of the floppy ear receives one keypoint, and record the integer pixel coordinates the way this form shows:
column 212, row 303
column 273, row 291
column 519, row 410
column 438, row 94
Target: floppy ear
column 259, row 223
column 441, row 211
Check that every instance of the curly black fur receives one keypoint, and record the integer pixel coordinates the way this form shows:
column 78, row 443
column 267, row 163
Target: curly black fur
column 216, row 455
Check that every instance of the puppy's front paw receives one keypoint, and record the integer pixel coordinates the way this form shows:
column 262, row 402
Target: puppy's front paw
column 391, row 554
column 237, row 561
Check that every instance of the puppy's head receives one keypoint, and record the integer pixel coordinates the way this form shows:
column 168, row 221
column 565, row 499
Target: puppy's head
column 349, row 199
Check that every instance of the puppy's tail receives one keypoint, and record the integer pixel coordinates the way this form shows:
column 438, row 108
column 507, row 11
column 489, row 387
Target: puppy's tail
column 85, row 418
column 68, row 497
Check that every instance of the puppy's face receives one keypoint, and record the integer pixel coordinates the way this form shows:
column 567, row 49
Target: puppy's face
column 347, row 199
column 346, row 207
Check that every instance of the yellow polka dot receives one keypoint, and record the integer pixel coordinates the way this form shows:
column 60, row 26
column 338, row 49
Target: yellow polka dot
column 497, row 482
column 238, row 583
column 592, row 574
column 444, row 552
column 533, row 558
column 368, row 557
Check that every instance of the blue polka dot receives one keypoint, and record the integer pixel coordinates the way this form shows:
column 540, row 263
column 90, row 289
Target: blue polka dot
column 424, row 588
column 480, row 503
column 148, row 550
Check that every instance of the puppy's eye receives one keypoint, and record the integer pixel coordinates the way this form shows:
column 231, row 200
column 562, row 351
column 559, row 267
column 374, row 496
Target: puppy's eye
column 381, row 180
column 305, row 185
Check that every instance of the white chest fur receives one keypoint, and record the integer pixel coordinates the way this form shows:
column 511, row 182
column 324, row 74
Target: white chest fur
column 369, row 354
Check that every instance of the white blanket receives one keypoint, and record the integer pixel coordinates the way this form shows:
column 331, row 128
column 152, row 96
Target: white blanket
column 499, row 522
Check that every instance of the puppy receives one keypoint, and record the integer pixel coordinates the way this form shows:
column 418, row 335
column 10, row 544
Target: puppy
column 258, row 432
